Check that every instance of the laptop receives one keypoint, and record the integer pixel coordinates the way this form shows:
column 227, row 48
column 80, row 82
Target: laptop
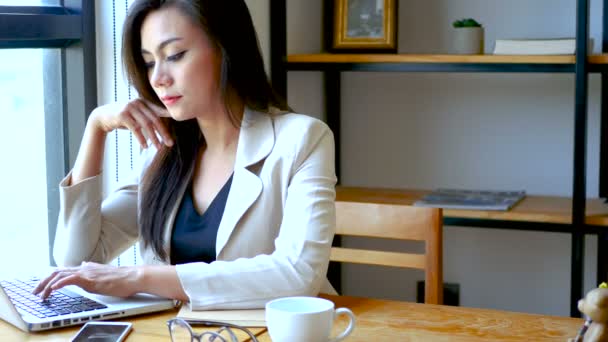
column 68, row 306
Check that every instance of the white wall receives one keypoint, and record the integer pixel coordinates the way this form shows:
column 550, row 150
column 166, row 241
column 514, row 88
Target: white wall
column 497, row 131
column 259, row 10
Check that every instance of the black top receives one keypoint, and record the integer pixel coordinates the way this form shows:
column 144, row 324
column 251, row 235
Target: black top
column 194, row 235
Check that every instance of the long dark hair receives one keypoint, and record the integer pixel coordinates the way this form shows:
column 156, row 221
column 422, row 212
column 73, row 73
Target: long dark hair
column 229, row 26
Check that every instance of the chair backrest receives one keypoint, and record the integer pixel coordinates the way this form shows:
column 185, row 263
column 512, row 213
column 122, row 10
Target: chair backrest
column 395, row 221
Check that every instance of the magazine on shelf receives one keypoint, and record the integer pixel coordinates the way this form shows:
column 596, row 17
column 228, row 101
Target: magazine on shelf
column 471, row 199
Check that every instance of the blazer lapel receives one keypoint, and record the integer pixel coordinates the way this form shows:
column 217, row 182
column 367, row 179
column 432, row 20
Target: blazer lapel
column 256, row 140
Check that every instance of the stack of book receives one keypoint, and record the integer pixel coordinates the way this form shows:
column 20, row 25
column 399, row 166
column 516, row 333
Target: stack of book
column 556, row 46
column 471, row 199
column 241, row 317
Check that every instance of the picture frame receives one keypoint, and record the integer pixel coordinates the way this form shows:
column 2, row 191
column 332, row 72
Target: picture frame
column 362, row 26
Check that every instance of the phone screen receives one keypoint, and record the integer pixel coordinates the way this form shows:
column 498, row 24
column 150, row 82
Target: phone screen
column 99, row 332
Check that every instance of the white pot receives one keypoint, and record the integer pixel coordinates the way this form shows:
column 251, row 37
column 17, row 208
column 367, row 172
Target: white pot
column 467, row 41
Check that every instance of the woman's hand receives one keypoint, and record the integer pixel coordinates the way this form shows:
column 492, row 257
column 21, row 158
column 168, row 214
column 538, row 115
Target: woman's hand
column 139, row 116
column 95, row 278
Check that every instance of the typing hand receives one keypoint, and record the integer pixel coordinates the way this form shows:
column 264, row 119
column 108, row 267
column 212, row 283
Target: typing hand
column 92, row 277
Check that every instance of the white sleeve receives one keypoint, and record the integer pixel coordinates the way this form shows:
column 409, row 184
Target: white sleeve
column 89, row 229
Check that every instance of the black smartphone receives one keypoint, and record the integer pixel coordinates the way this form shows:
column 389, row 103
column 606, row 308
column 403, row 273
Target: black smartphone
column 103, row 332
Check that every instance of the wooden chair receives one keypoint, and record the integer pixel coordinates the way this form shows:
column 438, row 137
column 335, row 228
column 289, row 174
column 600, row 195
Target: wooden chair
column 395, row 221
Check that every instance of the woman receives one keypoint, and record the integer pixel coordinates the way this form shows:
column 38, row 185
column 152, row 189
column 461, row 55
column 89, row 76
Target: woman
column 234, row 202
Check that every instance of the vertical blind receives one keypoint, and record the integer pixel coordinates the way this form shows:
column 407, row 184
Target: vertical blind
column 120, row 150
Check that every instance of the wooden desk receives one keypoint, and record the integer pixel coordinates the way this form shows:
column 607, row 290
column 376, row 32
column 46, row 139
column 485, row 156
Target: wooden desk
column 146, row 328
column 378, row 320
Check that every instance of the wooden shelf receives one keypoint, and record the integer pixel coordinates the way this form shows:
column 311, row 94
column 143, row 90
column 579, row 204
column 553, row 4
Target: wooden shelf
column 411, row 58
column 598, row 59
column 541, row 209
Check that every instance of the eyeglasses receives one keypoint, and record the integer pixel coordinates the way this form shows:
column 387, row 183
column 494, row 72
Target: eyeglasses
column 181, row 331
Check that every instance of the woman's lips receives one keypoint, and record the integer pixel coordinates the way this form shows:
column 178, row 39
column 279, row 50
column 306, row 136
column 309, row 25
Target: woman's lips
column 170, row 100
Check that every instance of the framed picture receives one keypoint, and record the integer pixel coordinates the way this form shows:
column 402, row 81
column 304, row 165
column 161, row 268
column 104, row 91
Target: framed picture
column 364, row 25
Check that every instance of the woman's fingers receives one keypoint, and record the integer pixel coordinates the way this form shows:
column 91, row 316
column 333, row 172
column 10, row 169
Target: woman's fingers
column 145, row 126
column 72, row 279
column 154, row 113
column 137, row 122
column 44, row 283
column 48, row 288
column 132, row 125
column 158, row 110
column 141, row 118
column 92, row 277
column 153, row 125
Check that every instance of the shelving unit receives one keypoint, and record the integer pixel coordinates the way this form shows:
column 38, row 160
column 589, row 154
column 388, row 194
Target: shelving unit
column 575, row 215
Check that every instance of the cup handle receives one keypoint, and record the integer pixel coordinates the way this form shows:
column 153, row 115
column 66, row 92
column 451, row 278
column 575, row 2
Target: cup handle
column 351, row 324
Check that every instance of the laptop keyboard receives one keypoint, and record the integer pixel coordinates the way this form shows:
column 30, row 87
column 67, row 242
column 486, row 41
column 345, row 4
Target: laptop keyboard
column 58, row 303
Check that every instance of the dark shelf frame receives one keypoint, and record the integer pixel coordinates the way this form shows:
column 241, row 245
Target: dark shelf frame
column 581, row 69
column 602, row 238
column 579, row 181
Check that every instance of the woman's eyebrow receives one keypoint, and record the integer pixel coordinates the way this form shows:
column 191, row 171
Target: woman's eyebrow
column 162, row 44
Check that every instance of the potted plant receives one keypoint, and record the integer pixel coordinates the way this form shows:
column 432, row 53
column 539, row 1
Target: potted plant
column 467, row 37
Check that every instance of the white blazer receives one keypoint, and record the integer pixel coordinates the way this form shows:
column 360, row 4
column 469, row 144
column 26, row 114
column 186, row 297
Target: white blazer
column 274, row 238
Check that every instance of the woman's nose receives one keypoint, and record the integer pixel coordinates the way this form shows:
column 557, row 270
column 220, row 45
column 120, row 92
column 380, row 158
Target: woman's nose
column 160, row 77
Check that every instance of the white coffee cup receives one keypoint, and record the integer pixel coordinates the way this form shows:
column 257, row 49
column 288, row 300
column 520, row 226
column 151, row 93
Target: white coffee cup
column 304, row 319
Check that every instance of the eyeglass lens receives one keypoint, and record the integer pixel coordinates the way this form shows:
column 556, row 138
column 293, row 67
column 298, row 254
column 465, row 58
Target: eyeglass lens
column 180, row 332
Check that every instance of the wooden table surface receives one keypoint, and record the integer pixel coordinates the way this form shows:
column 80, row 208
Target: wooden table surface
column 377, row 320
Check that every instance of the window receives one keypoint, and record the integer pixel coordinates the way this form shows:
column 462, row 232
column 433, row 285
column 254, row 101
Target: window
column 22, row 146
column 47, row 84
